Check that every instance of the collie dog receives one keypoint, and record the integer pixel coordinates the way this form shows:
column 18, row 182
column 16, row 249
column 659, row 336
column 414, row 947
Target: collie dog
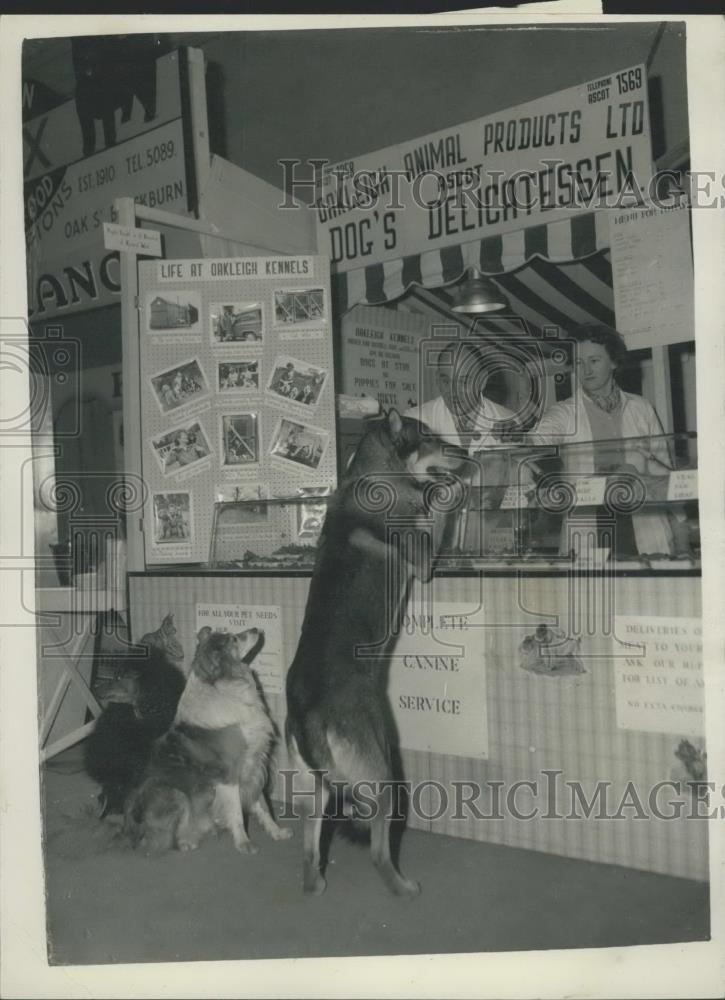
column 340, row 728
column 210, row 769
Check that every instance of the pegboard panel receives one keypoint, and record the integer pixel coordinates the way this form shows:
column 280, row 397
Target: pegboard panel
column 565, row 725
column 238, row 396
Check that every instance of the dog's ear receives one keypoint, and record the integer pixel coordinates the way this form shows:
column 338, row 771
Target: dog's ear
column 203, row 633
column 395, row 422
column 167, row 625
column 256, row 649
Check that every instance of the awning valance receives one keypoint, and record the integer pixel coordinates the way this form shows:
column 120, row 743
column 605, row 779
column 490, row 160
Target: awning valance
column 556, row 274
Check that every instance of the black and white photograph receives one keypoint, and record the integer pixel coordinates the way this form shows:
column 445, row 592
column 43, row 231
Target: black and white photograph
column 399, row 339
column 298, row 306
column 170, row 311
column 244, row 504
column 299, row 444
column 173, row 518
column 239, row 434
column 181, row 448
column 179, row 386
column 244, row 493
column 237, row 376
column 236, row 323
column 296, row 381
column 311, row 513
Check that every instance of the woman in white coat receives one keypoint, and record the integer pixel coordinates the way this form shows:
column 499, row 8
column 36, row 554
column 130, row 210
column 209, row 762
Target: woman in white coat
column 607, row 429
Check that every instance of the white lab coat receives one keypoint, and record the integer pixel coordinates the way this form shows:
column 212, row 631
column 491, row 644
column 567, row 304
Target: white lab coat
column 567, row 423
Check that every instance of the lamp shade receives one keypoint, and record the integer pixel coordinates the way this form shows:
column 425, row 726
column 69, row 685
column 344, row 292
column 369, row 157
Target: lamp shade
column 477, row 294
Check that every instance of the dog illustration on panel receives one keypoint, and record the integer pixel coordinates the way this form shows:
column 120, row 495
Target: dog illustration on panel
column 340, row 728
column 210, row 770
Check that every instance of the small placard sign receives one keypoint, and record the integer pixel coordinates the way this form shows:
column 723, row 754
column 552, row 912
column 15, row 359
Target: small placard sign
column 682, row 485
column 590, row 490
column 129, row 239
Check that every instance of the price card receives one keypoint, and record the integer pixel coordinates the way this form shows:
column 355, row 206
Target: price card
column 682, row 485
column 590, row 490
column 514, row 496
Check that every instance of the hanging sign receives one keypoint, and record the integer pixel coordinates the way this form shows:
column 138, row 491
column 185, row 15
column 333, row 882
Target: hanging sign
column 131, row 239
column 575, row 150
column 69, row 193
column 380, row 356
column 653, row 276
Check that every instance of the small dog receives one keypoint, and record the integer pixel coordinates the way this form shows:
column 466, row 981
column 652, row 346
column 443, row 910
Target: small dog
column 211, row 767
column 139, row 705
column 340, row 727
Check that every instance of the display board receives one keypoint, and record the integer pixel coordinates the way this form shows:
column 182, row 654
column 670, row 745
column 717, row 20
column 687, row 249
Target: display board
column 653, row 275
column 546, row 160
column 238, row 400
column 69, row 191
column 380, row 356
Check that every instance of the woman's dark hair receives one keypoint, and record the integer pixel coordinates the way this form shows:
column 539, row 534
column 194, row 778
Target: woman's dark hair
column 597, row 333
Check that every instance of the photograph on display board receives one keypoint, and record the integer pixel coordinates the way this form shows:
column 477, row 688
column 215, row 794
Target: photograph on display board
column 296, row 381
column 299, row 444
column 173, row 312
column 236, row 323
column 239, row 439
column 311, row 515
column 241, row 492
column 179, row 386
column 181, row 448
column 250, row 499
column 298, row 306
column 237, row 376
column 173, row 518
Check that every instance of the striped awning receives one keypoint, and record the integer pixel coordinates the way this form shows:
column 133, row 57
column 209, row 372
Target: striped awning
column 553, row 275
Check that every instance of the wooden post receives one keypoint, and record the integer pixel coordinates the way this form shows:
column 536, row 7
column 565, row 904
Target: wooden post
column 131, row 371
column 662, row 386
column 199, row 120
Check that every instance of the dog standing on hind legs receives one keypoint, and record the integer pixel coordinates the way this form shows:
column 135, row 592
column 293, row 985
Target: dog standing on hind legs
column 340, row 728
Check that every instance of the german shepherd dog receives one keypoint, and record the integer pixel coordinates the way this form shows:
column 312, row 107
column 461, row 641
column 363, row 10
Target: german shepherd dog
column 212, row 764
column 340, row 727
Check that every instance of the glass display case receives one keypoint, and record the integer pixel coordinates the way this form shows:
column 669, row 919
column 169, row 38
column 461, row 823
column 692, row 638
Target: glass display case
column 268, row 534
column 631, row 501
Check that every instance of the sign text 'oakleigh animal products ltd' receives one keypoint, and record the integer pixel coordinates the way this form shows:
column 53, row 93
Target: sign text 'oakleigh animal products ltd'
column 572, row 151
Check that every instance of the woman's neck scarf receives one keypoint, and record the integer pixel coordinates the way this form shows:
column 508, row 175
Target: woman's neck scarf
column 607, row 400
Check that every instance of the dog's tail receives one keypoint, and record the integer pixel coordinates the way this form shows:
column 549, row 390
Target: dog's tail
column 343, row 812
column 133, row 818
column 152, row 815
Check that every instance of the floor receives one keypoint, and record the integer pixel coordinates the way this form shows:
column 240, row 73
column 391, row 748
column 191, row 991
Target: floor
column 107, row 904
